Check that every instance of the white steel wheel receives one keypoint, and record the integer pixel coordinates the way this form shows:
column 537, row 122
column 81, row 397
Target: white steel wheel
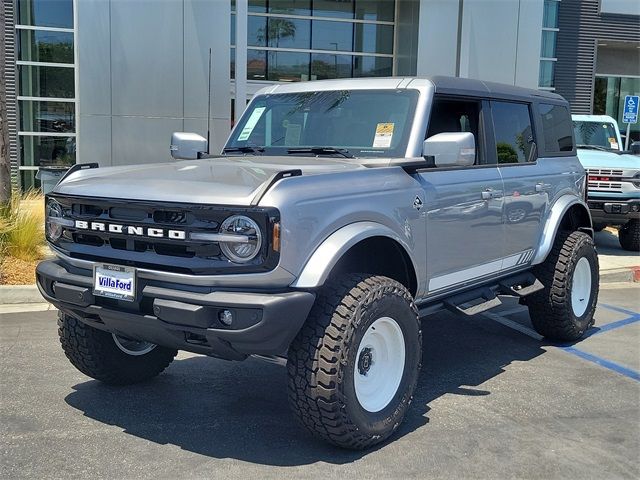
column 581, row 287
column 380, row 364
column 132, row 347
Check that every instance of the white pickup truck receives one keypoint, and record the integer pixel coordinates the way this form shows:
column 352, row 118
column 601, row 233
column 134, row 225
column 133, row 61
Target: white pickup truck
column 613, row 177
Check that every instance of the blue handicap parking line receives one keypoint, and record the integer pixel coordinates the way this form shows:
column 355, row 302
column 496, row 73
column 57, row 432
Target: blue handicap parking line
column 619, row 309
column 612, row 326
column 608, row 364
column 571, row 349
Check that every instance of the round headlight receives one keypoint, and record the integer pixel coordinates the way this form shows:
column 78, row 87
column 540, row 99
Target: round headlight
column 53, row 227
column 249, row 238
column 636, row 180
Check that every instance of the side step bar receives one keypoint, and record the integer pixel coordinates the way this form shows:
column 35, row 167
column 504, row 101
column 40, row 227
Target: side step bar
column 521, row 285
column 474, row 301
column 485, row 298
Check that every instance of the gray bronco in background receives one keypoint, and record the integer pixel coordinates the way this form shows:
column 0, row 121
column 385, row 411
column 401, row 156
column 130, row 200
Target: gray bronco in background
column 339, row 213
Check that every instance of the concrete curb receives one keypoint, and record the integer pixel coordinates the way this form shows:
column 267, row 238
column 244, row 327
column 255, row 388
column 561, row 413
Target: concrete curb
column 625, row 274
column 19, row 294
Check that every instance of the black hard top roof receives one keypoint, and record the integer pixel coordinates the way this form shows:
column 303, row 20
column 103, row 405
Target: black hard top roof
column 471, row 87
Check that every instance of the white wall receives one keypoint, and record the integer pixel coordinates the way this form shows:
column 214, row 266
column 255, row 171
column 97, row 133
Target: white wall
column 499, row 39
column 437, row 37
column 142, row 69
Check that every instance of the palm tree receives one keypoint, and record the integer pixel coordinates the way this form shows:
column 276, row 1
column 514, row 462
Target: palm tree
column 277, row 28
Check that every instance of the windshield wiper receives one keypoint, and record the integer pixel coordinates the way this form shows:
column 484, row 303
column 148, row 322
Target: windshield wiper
column 322, row 151
column 597, row 147
column 246, row 149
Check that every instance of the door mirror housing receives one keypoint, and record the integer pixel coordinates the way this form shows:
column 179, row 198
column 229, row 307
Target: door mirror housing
column 451, row 149
column 187, row 146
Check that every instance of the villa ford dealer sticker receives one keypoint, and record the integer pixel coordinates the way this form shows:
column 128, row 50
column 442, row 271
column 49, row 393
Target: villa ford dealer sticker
column 114, row 281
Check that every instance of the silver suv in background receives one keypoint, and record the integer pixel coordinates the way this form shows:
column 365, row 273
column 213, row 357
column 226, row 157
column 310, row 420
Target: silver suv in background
column 613, row 177
column 338, row 214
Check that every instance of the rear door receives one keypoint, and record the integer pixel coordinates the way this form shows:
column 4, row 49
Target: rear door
column 528, row 182
column 463, row 205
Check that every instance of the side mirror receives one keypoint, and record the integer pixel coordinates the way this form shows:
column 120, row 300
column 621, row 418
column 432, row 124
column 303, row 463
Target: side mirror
column 187, row 146
column 451, row 149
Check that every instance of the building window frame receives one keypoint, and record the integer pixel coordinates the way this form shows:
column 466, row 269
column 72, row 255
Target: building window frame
column 310, row 51
column 22, row 167
column 544, row 59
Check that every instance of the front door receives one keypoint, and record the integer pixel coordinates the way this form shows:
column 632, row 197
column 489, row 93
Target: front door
column 463, row 206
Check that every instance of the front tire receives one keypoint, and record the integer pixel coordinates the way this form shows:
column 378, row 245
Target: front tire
column 354, row 366
column 629, row 235
column 564, row 309
column 109, row 358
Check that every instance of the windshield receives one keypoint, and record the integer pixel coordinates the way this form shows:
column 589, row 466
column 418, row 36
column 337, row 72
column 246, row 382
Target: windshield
column 600, row 134
column 360, row 123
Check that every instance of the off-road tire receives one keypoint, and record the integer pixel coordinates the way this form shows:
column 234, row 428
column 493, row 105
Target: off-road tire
column 95, row 353
column 322, row 359
column 550, row 309
column 629, row 235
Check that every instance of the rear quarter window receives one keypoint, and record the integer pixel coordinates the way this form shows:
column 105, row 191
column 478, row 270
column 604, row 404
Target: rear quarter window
column 557, row 128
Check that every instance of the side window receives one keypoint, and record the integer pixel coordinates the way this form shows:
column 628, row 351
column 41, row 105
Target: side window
column 513, row 132
column 457, row 116
column 556, row 128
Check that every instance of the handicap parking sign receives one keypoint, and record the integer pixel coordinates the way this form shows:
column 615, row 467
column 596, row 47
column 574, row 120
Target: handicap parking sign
column 630, row 114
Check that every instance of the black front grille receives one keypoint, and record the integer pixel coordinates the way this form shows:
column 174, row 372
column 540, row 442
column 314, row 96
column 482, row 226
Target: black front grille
column 173, row 218
column 181, row 255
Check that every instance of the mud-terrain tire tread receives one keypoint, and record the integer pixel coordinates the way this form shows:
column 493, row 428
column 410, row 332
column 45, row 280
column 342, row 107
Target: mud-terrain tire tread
column 322, row 347
column 629, row 235
column 550, row 309
column 95, row 354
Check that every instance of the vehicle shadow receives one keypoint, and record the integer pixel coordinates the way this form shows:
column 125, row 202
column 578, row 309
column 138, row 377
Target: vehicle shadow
column 608, row 244
column 239, row 410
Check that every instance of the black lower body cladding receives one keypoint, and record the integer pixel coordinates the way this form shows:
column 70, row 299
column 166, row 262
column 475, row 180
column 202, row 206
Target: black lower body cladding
column 175, row 317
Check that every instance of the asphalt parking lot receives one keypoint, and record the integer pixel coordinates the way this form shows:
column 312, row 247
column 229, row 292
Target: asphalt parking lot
column 492, row 402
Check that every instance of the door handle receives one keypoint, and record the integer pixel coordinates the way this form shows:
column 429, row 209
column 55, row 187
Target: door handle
column 488, row 194
column 541, row 187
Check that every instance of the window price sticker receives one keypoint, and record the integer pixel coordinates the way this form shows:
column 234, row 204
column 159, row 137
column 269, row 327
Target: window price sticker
column 251, row 124
column 384, row 134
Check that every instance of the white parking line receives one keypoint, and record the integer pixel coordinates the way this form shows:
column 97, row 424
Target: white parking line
column 511, row 311
column 513, row 325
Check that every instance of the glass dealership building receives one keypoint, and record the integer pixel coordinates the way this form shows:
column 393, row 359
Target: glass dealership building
column 109, row 80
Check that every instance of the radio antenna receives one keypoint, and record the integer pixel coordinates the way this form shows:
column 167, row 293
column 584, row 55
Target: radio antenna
column 209, row 107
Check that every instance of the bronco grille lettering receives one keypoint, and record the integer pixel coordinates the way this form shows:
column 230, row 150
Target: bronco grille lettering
column 139, row 231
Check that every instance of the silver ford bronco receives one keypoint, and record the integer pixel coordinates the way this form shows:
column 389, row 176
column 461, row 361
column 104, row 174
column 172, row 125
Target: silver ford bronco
column 338, row 214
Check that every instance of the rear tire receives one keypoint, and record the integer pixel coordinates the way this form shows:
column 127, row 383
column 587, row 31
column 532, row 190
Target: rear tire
column 629, row 235
column 563, row 310
column 354, row 366
column 110, row 359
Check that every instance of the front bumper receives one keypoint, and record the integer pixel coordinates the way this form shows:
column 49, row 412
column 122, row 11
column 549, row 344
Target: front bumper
column 181, row 317
column 612, row 211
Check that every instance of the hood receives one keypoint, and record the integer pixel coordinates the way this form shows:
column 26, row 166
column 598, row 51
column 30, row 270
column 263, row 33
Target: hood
column 221, row 180
column 600, row 159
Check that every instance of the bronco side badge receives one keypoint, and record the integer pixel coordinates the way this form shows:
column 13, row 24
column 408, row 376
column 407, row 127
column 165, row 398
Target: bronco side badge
column 417, row 203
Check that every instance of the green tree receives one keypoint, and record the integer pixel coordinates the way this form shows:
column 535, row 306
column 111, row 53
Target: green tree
column 506, row 153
